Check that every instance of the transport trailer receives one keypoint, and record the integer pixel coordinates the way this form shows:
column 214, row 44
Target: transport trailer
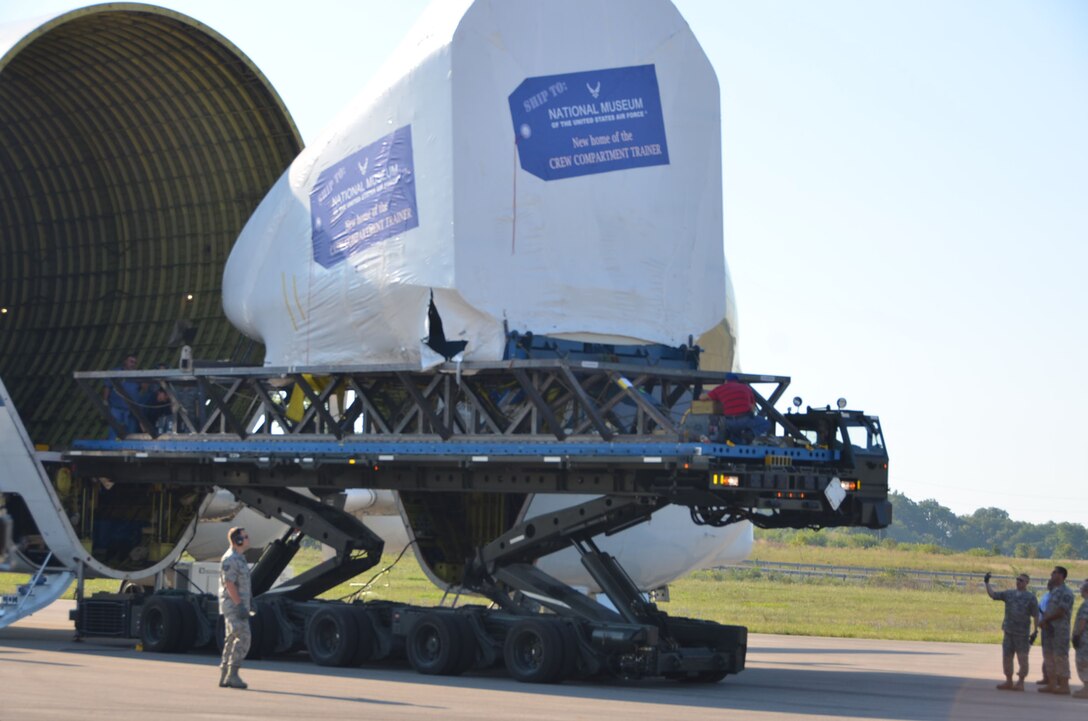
column 540, row 629
column 462, row 437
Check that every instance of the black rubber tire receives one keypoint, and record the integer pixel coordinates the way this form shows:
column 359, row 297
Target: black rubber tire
column 434, row 644
column 534, row 652
column 160, row 625
column 467, row 658
column 187, row 615
column 269, row 629
column 368, row 638
column 572, row 655
column 332, row 636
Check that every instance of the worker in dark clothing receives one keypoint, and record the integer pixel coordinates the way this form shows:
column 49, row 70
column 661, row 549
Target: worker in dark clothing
column 118, row 408
column 157, row 403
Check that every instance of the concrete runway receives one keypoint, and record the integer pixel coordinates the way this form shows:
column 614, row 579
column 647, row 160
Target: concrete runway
column 45, row 675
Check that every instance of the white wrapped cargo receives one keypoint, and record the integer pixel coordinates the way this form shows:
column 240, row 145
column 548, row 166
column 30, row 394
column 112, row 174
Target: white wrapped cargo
column 551, row 167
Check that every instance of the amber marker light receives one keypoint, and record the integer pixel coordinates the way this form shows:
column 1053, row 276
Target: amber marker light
column 724, row 479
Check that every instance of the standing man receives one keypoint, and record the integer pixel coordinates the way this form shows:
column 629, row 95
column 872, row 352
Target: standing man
column 1021, row 611
column 118, row 408
column 1044, row 634
column 1080, row 641
column 236, row 604
column 1059, row 613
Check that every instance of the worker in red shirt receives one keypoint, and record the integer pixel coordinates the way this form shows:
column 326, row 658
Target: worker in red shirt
column 735, row 398
column 738, row 402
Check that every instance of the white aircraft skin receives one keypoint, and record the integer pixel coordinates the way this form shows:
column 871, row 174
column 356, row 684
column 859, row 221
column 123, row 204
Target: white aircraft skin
column 654, row 553
column 375, row 509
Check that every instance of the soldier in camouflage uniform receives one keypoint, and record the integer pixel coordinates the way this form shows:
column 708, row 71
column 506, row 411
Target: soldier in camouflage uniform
column 236, row 605
column 1043, row 634
column 1021, row 610
column 1059, row 614
column 1080, row 641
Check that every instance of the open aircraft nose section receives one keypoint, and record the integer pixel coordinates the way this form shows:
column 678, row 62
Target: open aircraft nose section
column 134, row 144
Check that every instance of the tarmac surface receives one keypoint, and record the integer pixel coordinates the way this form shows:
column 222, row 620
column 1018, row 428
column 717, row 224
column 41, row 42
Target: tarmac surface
column 44, row 674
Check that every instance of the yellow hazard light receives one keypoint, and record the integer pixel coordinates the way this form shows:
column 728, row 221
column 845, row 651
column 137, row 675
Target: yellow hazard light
column 850, row 485
column 724, row 480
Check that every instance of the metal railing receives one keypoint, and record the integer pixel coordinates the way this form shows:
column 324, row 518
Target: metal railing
column 864, row 574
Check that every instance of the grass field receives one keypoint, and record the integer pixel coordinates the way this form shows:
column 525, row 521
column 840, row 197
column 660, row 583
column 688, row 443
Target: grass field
column 884, row 606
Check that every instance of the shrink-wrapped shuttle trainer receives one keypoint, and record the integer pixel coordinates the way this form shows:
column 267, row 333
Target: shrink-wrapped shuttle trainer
column 546, row 167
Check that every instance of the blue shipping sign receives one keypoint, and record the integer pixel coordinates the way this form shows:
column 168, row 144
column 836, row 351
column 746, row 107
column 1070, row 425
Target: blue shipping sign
column 365, row 198
column 589, row 122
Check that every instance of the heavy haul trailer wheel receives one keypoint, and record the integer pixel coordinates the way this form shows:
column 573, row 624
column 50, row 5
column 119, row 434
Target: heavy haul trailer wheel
column 367, row 640
column 169, row 624
column 440, row 644
column 468, row 646
column 160, row 625
column 187, row 616
column 535, row 651
column 332, row 636
column 573, row 662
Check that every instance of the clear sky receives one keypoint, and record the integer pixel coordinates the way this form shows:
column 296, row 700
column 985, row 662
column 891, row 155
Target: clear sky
column 906, row 210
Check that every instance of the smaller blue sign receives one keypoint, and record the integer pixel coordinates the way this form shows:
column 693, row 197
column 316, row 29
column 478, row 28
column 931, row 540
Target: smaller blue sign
column 589, row 122
column 365, row 198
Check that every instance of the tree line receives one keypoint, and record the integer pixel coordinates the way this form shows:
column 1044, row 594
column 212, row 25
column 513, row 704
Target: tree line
column 987, row 530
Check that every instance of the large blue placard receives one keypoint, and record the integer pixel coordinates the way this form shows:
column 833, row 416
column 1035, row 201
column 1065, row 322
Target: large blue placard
column 365, row 198
column 589, row 122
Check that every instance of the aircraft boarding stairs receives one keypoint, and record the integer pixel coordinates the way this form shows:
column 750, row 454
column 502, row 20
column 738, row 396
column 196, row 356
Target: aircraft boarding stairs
column 45, row 586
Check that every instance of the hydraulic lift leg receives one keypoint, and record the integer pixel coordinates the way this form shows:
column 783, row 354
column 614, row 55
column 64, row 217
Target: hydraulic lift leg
column 327, row 524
